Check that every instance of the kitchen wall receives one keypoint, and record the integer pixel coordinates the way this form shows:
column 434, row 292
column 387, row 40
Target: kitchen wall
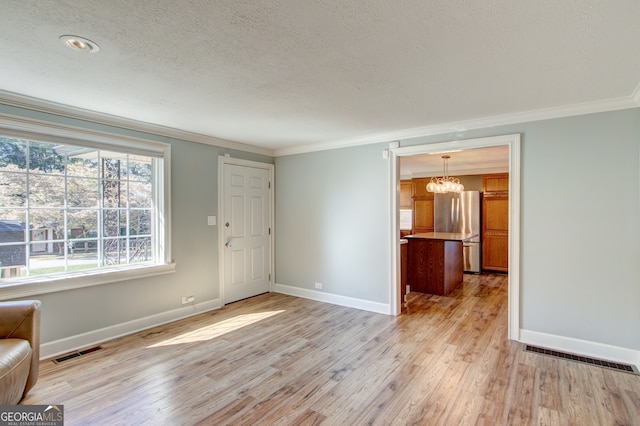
column 471, row 182
column 580, row 224
column 194, row 182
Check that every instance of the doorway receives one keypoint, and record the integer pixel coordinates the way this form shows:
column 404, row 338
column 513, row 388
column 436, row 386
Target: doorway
column 513, row 143
column 245, row 232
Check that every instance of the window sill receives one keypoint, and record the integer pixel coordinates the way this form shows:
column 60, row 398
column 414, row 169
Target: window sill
column 28, row 287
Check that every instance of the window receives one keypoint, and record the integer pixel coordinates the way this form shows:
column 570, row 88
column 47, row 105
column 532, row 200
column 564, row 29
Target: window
column 70, row 209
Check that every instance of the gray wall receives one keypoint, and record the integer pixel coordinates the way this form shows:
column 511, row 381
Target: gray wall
column 332, row 222
column 194, row 182
column 580, row 240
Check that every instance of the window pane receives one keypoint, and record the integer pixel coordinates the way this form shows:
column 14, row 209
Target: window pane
column 82, row 224
column 47, row 263
column 139, row 168
column 43, row 158
column 13, row 153
column 82, row 192
column 140, row 194
column 140, row 222
column 84, row 164
column 12, row 257
column 113, row 165
column 48, row 219
column 46, row 191
column 114, row 193
column 87, row 207
column 83, row 255
column 140, row 250
column 114, row 251
column 114, row 223
column 13, row 189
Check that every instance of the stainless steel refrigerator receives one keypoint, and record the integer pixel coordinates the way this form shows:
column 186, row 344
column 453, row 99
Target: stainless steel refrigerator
column 460, row 213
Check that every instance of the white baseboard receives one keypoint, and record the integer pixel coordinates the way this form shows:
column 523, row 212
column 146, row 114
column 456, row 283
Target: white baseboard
column 335, row 299
column 581, row 347
column 94, row 337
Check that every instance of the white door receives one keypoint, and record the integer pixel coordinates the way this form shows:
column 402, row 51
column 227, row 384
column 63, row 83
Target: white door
column 246, row 231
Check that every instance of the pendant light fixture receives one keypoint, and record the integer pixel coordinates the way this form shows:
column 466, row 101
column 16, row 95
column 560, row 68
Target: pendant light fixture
column 444, row 184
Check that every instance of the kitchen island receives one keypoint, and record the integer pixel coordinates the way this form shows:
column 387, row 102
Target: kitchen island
column 435, row 261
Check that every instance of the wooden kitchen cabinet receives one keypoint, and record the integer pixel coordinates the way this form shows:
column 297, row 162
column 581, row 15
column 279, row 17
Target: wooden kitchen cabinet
column 422, row 206
column 406, row 203
column 495, row 222
column 406, row 192
column 495, row 183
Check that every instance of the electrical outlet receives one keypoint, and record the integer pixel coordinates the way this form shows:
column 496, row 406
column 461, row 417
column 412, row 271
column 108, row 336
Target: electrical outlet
column 211, row 220
column 188, row 299
column 319, row 286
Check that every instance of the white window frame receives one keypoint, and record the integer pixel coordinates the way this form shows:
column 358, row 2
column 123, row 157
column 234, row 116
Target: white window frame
column 26, row 128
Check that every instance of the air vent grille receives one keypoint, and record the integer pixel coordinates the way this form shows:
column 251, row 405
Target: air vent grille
column 586, row 360
column 76, row 354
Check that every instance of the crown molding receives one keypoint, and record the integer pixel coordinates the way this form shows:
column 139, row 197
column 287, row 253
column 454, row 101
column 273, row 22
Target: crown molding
column 479, row 123
column 40, row 105
column 26, row 102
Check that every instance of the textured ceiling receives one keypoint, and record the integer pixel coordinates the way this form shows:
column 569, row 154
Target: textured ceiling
column 285, row 73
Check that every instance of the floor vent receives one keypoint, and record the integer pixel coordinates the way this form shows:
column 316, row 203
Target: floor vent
column 76, row 354
column 586, row 360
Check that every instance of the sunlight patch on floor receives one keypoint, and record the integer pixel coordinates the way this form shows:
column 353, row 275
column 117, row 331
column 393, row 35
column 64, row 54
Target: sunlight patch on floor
column 218, row 329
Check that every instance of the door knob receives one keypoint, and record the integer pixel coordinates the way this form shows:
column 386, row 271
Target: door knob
column 228, row 243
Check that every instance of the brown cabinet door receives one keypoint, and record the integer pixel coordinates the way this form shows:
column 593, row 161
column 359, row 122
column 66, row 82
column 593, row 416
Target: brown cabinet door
column 406, row 192
column 420, row 188
column 495, row 222
column 496, row 213
column 423, row 219
column 422, row 206
column 498, row 182
column 495, row 253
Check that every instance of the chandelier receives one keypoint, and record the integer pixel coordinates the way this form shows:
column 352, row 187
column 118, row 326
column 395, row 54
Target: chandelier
column 444, row 184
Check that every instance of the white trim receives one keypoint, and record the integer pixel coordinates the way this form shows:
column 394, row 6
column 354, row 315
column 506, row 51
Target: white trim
column 334, row 299
column 94, row 337
column 163, row 218
column 478, row 123
column 222, row 160
column 514, row 240
column 513, row 142
column 636, row 95
column 21, row 101
column 581, row 347
column 394, row 231
column 29, row 128
column 73, row 280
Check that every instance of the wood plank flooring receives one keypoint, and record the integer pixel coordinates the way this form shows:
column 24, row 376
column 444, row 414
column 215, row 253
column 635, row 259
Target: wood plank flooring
column 282, row 360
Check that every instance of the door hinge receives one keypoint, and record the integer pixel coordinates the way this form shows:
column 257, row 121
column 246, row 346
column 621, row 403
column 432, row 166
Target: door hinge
column 269, row 184
column 269, row 231
column 269, row 277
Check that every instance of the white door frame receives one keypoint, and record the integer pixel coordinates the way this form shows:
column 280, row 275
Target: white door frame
column 513, row 142
column 222, row 160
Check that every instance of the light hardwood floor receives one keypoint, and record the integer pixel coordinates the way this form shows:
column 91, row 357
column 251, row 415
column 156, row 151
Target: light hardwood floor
column 276, row 359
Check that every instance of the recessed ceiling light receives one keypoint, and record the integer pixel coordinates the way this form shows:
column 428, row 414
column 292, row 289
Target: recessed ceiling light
column 80, row 44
